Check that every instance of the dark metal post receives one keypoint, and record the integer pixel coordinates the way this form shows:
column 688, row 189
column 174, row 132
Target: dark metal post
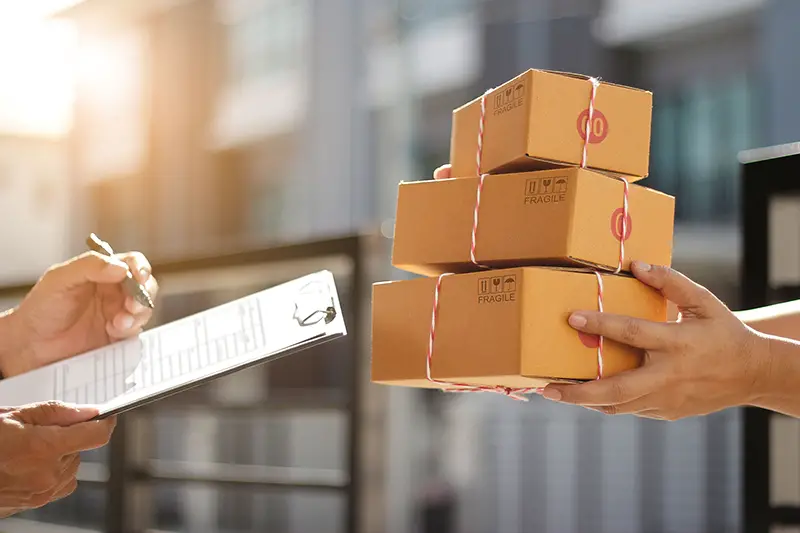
column 116, row 488
column 755, row 427
column 354, row 321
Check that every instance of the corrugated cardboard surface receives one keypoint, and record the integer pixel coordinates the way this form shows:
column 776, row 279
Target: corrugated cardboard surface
column 557, row 217
column 502, row 327
column 538, row 120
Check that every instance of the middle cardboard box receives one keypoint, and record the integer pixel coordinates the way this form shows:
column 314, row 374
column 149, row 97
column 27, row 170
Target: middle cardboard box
column 563, row 217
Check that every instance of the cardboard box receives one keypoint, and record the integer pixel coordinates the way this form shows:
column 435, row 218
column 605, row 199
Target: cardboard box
column 503, row 327
column 564, row 217
column 538, row 121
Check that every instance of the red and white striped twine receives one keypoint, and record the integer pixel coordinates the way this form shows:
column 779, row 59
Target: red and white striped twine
column 481, row 177
column 595, row 83
column 473, row 245
column 587, row 134
column 519, row 393
column 600, row 337
column 481, row 124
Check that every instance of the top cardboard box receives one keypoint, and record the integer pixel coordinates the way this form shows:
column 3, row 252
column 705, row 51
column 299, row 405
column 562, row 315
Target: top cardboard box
column 538, row 121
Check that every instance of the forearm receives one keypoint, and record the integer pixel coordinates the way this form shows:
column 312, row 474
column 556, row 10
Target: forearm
column 780, row 320
column 779, row 384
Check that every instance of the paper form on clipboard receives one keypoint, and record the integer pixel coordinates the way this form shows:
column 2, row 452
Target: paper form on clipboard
column 191, row 351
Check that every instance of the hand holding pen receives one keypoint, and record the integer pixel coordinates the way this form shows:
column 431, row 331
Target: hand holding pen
column 132, row 287
column 77, row 306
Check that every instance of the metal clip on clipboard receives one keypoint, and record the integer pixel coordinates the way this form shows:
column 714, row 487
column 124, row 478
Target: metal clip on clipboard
column 314, row 304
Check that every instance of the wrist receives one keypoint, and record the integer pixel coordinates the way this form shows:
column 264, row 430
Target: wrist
column 10, row 347
column 778, row 371
column 760, row 369
column 5, row 340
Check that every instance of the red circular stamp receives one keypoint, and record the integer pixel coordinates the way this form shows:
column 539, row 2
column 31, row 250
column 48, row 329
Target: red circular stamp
column 599, row 130
column 616, row 225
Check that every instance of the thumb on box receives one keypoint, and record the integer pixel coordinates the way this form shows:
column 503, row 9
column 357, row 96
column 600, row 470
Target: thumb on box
column 443, row 172
column 677, row 288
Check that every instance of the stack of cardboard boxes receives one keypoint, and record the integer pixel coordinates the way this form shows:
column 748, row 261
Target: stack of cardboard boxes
column 548, row 219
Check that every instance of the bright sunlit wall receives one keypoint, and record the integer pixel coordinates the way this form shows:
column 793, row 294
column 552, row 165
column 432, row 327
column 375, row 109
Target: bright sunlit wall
column 37, row 64
column 37, row 67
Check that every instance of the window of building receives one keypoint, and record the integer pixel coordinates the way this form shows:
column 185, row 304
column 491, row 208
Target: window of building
column 665, row 140
column 267, row 39
column 698, row 131
column 424, row 10
column 266, row 209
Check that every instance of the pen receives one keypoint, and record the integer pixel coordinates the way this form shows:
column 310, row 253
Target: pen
column 133, row 287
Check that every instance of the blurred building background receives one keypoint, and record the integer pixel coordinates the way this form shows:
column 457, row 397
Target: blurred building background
column 205, row 126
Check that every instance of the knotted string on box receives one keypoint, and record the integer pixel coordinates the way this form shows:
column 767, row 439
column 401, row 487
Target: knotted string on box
column 519, row 393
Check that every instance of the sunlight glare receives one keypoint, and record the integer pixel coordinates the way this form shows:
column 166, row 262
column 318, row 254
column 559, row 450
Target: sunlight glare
column 36, row 70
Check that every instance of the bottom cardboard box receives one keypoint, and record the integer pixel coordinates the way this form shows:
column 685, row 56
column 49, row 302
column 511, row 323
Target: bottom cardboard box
column 502, row 327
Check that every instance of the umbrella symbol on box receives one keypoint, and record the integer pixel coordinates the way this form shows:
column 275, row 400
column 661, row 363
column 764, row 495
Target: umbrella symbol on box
column 510, row 284
column 519, row 90
column 561, row 185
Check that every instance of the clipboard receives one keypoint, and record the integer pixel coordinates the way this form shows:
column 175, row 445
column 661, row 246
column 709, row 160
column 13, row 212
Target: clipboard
column 191, row 351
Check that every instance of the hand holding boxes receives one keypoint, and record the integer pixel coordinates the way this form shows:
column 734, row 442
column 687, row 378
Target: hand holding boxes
column 506, row 330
